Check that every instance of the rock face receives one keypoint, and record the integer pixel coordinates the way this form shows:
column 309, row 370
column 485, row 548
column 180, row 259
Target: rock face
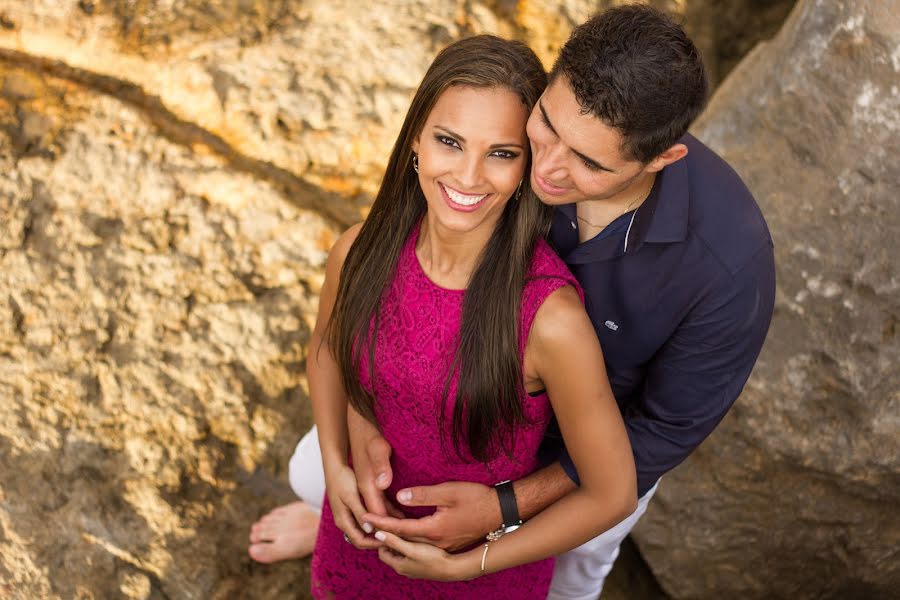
column 154, row 307
column 171, row 177
column 795, row 495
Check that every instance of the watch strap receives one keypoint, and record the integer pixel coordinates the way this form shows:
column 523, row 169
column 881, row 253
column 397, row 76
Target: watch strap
column 509, row 509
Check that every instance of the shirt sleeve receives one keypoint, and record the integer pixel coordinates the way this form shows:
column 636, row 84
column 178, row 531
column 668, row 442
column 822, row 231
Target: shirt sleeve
column 699, row 372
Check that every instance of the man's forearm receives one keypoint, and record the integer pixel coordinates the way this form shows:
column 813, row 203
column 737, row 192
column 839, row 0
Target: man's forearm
column 541, row 489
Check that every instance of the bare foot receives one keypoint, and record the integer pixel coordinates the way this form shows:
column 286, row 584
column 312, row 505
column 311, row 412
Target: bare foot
column 285, row 533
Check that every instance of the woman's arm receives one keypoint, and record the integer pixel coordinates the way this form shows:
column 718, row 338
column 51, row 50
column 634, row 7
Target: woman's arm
column 566, row 355
column 329, row 403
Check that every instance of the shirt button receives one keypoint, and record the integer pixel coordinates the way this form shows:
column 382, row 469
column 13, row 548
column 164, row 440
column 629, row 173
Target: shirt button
column 574, row 226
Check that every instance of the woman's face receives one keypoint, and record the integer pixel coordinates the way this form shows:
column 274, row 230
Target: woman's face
column 472, row 155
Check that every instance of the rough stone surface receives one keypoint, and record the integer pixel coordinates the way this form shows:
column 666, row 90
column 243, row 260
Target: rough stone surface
column 153, row 313
column 795, row 494
column 171, row 177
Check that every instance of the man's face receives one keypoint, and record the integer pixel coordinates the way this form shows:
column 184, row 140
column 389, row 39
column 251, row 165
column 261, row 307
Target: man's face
column 575, row 156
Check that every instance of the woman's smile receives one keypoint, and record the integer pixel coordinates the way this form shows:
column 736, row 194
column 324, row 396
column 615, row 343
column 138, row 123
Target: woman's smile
column 460, row 201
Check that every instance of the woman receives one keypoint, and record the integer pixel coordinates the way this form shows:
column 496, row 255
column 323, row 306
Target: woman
column 448, row 321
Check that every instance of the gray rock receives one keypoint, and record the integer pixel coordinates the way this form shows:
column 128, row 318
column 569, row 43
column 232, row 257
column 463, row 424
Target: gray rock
column 796, row 494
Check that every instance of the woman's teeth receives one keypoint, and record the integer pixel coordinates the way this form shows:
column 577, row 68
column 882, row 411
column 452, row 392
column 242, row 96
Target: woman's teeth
column 463, row 199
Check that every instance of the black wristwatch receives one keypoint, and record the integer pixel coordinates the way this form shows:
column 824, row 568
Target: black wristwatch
column 509, row 510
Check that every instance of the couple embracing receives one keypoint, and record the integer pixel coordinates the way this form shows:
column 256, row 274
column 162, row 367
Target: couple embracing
column 471, row 437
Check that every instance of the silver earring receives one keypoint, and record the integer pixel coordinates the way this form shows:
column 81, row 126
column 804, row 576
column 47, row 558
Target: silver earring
column 416, row 163
column 519, row 189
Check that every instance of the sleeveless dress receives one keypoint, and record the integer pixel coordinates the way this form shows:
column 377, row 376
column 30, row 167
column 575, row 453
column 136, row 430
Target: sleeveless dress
column 416, row 341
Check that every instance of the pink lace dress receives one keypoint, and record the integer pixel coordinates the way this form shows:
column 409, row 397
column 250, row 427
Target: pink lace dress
column 416, row 341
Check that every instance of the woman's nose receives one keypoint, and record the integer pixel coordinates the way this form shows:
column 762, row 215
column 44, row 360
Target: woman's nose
column 469, row 173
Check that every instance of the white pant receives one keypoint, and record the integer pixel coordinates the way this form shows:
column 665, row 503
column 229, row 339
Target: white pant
column 579, row 573
column 305, row 471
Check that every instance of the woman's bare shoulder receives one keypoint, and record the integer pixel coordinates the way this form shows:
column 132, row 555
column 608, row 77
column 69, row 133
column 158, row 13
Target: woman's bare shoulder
column 561, row 323
column 341, row 247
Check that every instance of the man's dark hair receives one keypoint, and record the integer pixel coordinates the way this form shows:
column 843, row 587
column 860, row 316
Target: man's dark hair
column 636, row 70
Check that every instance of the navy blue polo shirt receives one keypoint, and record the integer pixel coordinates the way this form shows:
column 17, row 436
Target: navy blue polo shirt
column 680, row 293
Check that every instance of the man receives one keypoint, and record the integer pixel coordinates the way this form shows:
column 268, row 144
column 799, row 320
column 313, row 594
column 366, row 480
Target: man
column 677, row 266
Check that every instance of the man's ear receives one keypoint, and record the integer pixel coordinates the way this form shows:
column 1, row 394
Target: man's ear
column 673, row 153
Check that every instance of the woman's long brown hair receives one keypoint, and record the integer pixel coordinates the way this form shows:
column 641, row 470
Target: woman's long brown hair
column 488, row 399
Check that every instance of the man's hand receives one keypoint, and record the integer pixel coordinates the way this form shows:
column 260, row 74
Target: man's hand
column 372, row 464
column 466, row 512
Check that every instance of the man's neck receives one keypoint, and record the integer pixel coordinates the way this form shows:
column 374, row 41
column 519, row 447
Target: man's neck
column 594, row 215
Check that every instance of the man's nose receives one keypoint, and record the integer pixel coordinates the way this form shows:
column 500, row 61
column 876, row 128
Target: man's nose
column 550, row 164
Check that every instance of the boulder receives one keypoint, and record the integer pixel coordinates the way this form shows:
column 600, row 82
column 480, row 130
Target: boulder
column 795, row 494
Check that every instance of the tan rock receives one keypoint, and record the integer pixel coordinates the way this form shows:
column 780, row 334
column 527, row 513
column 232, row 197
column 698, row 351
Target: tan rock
column 152, row 357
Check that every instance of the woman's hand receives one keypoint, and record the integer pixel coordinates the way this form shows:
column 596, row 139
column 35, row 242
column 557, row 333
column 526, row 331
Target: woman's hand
column 424, row 561
column 347, row 507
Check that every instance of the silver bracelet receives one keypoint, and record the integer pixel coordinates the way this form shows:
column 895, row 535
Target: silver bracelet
column 484, row 555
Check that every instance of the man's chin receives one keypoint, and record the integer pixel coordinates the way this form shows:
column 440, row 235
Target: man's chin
column 551, row 200
column 550, row 197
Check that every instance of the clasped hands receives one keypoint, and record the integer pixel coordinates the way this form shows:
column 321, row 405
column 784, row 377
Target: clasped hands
column 416, row 548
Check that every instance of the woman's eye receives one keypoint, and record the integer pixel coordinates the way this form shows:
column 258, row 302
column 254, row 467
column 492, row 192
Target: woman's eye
column 506, row 154
column 447, row 141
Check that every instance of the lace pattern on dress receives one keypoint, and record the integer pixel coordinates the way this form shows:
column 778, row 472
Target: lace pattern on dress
column 416, row 340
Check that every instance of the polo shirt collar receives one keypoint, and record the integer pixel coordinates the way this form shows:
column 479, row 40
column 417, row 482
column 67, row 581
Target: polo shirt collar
column 663, row 218
column 569, row 211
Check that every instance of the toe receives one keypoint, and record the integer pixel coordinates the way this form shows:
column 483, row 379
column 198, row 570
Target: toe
column 269, row 530
column 255, row 534
column 261, row 553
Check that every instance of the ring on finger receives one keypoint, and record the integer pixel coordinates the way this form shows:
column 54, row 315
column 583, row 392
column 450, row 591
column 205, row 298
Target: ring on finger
column 347, row 539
